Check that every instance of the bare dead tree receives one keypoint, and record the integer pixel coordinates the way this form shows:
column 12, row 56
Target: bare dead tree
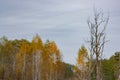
column 97, row 41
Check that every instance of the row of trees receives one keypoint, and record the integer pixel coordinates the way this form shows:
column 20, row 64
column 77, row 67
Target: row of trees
column 24, row 60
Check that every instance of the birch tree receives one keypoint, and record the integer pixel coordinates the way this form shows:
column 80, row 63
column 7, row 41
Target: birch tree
column 81, row 67
column 54, row 60
column 37, row 60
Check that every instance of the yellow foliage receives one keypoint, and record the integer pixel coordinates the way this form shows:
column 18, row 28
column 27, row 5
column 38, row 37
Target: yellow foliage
column 82, row 56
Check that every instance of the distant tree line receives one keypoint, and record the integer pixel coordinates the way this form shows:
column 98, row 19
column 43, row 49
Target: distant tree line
column 24, row 60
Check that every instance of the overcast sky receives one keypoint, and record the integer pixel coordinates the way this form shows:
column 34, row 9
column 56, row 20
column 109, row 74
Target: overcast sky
column 63, row 21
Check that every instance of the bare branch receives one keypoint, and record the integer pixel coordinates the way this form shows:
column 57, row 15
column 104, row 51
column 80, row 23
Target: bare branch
column 97, row 40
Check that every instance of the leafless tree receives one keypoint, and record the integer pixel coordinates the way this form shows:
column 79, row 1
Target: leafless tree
column 97, row 40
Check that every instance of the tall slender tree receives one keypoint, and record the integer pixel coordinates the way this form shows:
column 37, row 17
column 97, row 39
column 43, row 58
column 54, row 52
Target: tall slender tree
column 82, row 63
column 37, row 54
column 97, row 40
column 54, row 60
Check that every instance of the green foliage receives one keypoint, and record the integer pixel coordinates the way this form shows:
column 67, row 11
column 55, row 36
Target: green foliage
column 18, row 43
column 111, row 67
column 108, row 70
column 68, row 69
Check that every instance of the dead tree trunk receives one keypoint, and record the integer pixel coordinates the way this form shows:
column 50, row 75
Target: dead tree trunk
column 97, row 40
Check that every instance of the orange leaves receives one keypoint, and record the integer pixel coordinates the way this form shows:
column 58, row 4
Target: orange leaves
column 37, row 43
column 25, row 49
column 52, row 51
column 24, row 53
column 52, row 48
column 36, row 59
column 82, row 57
column 81, row 67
